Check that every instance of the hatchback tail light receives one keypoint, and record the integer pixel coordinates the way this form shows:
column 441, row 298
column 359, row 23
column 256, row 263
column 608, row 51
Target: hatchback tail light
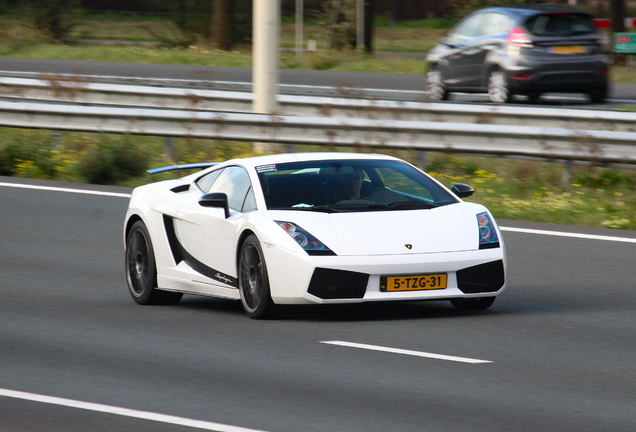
column 518, row 37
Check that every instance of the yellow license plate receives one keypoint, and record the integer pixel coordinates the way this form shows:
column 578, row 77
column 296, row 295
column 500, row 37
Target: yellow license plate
column 413, row 282
column 568, row 49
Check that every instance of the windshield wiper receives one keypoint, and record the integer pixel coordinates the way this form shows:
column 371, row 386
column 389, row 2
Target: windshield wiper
column 408, row 205
column 372, row 205
column 323, row 209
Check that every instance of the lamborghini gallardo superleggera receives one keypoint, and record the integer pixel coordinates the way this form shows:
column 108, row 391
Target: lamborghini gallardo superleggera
column 311, row 228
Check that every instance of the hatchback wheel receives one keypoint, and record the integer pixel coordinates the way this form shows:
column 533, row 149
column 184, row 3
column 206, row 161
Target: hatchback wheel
column 598, row 95
column 534, row 96
column 498, row 90
column 435, row 89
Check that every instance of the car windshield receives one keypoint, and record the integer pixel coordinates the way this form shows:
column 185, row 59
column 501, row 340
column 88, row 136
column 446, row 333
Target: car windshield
column 560, row 25
column 350, row 185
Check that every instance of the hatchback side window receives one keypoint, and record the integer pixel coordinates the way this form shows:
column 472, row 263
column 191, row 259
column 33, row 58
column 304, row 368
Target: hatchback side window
column 235, row 183
column 495, row 23
column 467, row 29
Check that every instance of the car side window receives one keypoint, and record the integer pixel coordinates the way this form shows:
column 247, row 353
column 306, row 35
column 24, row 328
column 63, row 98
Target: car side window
column 206, row 181
column 495, row 23
column 235, row 183
column 466, row 29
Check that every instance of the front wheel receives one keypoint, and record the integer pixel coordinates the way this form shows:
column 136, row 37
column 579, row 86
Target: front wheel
column 253, row 280
column 473, row 304
column 498, row 89
column 141, row 270
column 435, row 89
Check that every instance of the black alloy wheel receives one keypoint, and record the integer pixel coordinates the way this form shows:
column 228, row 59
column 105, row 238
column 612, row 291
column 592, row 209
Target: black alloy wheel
column 253, row 280
column 141, row 270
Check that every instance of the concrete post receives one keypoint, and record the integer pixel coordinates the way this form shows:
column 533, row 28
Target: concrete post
column 265, row 55
column 299, row 27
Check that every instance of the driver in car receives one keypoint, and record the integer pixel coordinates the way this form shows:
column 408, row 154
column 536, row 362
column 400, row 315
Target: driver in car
column 349, row 185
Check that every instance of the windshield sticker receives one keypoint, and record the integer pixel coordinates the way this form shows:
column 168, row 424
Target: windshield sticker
column 266, row 168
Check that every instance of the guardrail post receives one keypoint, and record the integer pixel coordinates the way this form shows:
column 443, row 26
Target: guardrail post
column 566, row 178
column 56, row 137
column 169, row 148
column 421, row 160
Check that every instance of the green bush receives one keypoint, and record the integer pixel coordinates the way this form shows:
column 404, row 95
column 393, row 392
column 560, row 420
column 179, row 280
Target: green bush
column 27, row 150
column 114, row 159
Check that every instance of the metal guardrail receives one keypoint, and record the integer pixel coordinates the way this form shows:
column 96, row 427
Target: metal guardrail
column 78, row 89
column 477, row 138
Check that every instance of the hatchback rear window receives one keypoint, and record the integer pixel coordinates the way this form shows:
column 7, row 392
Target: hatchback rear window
column 560, row 25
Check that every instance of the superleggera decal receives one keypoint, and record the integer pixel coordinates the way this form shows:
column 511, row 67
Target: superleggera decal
column 181, row 254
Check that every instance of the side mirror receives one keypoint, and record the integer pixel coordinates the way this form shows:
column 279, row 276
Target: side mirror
column 217, row 200
column 462, row 190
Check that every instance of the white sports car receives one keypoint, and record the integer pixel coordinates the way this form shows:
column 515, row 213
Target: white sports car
column 311, row 228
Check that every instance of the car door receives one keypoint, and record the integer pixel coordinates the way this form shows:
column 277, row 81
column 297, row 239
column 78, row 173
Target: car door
column 475, row 38
column 208, row 237
column 494, row 30
column 458, row 64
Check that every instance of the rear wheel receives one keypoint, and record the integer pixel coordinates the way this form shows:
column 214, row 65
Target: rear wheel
column 435, row 89
column 498, row 90
column 141, row 270
column 598, row 95
column 253, row 280
column 534, row 96
column 468, row 304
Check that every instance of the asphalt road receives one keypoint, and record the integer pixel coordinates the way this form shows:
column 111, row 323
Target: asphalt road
column 559, row 343
column 392, row 86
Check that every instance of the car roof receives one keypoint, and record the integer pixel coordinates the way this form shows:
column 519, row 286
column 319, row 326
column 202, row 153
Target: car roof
column 529, row 10
column 255, row 161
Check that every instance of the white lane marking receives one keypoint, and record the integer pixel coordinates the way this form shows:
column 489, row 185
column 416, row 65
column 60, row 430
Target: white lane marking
column 519, row 230
column 125, row 412
column 569, row 234
column 68, row 190
column 406, row 352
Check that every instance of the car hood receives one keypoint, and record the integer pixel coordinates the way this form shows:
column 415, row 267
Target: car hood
column 449, row 228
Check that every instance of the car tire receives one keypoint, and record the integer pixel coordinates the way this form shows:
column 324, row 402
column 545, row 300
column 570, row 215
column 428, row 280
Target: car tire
column 141, row 269
column 435, row 89
column 253, row 280
column 498, row 89
column 598, row 95
column 533, row 96
column 472, row 304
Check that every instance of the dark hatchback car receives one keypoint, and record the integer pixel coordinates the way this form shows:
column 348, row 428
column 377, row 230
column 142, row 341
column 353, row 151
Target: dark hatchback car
column 526, row 50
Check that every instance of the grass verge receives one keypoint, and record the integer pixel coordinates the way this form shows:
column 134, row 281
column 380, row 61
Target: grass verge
column 511, row 189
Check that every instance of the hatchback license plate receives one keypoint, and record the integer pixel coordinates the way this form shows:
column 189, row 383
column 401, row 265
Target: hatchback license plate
column 567, row 49
column 413, row 283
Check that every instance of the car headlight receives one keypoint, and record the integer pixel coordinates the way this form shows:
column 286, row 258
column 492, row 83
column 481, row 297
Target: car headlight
column 487, row 232
column 308, row 242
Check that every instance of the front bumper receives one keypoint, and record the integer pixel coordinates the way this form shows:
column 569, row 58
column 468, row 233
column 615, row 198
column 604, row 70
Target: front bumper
column 342, row 279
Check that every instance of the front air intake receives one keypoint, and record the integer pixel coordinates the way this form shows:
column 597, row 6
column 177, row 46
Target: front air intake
column 487, row 277
column 338, row 284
